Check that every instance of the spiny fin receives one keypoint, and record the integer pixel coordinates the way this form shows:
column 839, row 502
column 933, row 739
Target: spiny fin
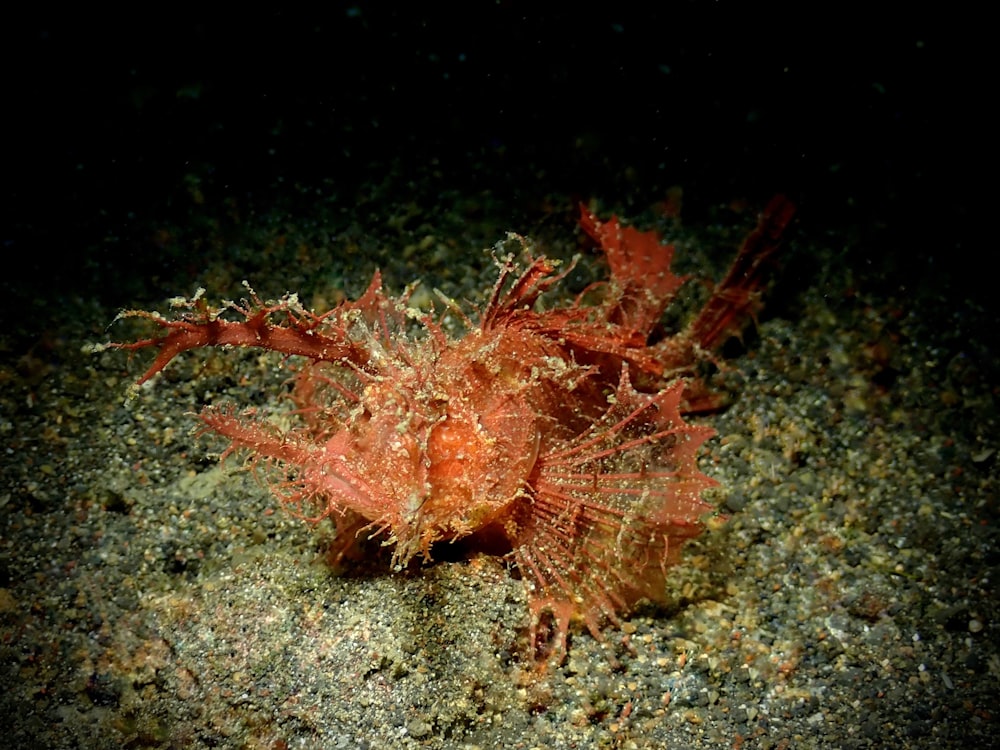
column 610, row 510
column 640, row 271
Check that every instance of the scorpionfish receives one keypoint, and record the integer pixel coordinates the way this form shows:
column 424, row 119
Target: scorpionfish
column 555, row 437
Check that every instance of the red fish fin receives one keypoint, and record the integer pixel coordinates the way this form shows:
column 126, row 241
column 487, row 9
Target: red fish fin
column 512, row 294
column 312, row 481
column 736, row 297
column 640, row 271
column 609, row 512
column 283, row 326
